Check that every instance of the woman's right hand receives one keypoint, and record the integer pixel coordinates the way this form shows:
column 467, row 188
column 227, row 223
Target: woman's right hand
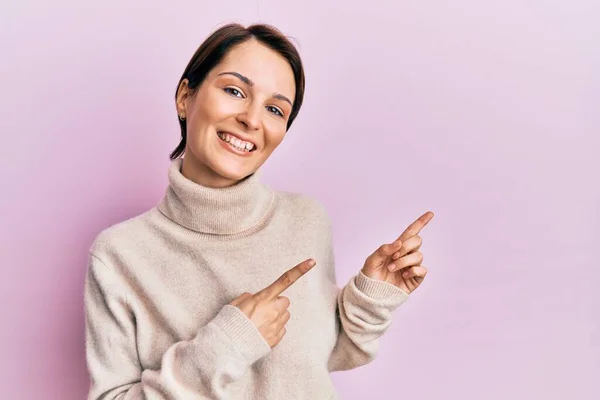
column 267, row 310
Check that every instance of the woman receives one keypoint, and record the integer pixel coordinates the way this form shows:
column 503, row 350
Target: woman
column 160, row 319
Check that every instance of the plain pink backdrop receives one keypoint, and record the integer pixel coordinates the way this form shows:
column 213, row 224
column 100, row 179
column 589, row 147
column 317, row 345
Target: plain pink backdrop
column 487, row 113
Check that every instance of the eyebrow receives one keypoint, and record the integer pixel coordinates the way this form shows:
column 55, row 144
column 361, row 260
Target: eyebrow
column 250, row 83
column 282, row 97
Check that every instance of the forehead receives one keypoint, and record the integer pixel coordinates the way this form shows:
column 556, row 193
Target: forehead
column 268, row 70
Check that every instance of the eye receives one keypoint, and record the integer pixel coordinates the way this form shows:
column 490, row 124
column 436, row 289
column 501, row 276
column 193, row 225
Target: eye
column 234, row 92
column 275, row 110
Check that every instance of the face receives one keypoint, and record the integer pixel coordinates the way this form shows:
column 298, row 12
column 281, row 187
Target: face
column 238, row 115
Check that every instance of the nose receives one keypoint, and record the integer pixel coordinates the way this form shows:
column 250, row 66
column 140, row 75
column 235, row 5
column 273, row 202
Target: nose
column 250, row 117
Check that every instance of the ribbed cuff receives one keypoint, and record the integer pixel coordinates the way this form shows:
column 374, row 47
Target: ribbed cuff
column 379, row 290
column 242, row 332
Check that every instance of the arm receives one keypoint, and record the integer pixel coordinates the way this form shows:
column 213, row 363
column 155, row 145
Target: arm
column 200, row 368
column 363, row 314
column 365, row 305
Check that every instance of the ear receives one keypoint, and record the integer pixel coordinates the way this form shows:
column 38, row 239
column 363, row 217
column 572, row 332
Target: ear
column 183, row 93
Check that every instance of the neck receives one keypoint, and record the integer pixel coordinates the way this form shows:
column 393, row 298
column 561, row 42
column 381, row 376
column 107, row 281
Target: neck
column 203, row 175
column 215, row 210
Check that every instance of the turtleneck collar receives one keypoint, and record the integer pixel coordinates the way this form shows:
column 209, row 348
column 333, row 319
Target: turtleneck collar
column 220, row 211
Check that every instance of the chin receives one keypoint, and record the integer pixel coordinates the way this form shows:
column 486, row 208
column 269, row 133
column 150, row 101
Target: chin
column 232, row 172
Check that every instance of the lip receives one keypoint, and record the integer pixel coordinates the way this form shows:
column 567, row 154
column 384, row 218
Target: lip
column 239, row 137
column 233, row 150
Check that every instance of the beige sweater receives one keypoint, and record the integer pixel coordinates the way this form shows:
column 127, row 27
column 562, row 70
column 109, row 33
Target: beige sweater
column 158, row 322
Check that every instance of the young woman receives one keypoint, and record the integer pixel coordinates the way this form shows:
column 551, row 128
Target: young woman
column 185, row 301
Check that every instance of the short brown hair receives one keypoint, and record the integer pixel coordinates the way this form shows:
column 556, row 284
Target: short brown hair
column 219, row 43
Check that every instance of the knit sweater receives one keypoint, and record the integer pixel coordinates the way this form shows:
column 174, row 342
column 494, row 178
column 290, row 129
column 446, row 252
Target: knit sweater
column 158, row 286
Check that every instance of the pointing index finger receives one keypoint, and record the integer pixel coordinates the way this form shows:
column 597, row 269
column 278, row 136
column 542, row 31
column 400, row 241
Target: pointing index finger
column 287, row 279
column 414, row 228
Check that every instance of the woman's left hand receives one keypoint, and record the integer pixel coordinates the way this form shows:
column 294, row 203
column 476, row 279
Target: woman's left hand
column 399, row 262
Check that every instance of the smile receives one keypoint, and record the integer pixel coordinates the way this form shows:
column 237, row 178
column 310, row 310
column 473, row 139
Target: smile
column 236, row 143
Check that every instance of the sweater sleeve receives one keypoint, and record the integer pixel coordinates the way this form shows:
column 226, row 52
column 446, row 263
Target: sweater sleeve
column 363, row 314
column 199, row 368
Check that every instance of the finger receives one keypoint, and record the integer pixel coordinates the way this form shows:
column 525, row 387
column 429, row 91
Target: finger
column 415, row 272
column 281, row 304
column 287, row 279
column 384, row 251
column 280, row 336
column 410, row 246
column 283, row 318
column 240, row 299
column 408, row 260
column 414, row 228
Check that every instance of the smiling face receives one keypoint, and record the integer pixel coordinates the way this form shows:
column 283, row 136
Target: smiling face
column 238, row 116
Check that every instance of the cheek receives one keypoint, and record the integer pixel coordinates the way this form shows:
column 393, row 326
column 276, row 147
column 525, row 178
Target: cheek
column 274, row 135
column 211, row 108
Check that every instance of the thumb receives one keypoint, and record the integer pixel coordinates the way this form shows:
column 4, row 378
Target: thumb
column 384, row 251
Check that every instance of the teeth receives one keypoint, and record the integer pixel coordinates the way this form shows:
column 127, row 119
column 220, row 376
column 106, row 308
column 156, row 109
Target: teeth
column 235, row 142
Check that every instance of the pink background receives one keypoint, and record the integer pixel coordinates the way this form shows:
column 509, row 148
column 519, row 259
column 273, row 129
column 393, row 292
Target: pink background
column 486, row 113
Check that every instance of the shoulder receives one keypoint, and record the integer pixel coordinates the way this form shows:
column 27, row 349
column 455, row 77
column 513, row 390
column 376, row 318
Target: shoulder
column 304, row 207
column 123, row 235
column 106, row 274
column 301, row 203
